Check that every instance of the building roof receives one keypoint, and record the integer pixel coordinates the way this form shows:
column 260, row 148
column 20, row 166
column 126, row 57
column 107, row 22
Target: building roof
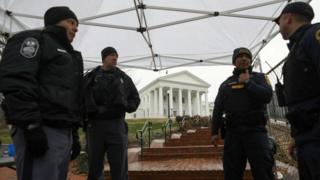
column 182, row 78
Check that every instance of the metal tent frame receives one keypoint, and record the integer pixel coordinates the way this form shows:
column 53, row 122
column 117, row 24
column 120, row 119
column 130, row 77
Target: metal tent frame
column 156, row 60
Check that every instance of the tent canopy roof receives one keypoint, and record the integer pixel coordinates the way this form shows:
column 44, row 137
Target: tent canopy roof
column 157, row 34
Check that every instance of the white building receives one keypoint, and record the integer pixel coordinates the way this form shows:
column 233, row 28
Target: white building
column 187, row 94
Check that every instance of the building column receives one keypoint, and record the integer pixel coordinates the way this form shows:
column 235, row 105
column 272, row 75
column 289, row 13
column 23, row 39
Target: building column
column 155, row 103
column 160, row 110
column 170, row 101
column 207, row 104
column 144, row 105
column 198, row 102
column 189, row 102
column 180, row 102
column 149, row 104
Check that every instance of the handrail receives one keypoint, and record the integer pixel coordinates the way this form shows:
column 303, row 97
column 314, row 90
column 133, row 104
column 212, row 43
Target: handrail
column 164, row 128
column 146, row 127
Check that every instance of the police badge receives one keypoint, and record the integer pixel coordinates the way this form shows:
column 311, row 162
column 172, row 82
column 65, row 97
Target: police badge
column 29, row 47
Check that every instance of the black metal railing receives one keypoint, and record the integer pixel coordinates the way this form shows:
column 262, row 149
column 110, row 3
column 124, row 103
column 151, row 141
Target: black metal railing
column 165, row 126
column 141, row 133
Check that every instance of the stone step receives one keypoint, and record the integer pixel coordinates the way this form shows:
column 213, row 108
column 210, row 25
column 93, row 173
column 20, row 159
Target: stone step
column 189, row 142
column 160, row 157
column 199, row 131
column 178, row 169
column 182, row 152
column 184, row 149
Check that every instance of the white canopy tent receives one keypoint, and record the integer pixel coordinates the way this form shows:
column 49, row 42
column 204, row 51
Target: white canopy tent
column 157, row 34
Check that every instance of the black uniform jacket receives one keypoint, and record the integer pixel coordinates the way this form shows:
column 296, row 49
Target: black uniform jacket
column 301, row 73
column 241, row 98
column 301, row 70
column 41, row 77
column 109, row 94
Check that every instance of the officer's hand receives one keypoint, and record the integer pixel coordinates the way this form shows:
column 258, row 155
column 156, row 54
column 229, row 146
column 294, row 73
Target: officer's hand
column 292, row 150
column 214, row 140
column 76, row 147
column 243, row 77
column 36, row 142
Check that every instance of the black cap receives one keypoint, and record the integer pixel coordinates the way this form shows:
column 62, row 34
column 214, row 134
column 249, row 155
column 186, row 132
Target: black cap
column 300, row 8
column 239, row 51
column 56, row 14
column 107, row 51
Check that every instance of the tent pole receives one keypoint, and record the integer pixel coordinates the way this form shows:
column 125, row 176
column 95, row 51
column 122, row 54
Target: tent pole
column 107, row 14
column 143, row 21
column 109, row 26
column 247, row 16
column 211, row 12
column 179, row 22
column 27, row 15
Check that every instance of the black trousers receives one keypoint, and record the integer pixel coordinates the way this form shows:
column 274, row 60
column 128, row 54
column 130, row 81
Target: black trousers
column 252, row 146
column 309, row 160
column 111, row 137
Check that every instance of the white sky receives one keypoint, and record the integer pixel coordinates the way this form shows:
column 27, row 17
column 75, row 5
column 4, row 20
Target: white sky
column 273, row 53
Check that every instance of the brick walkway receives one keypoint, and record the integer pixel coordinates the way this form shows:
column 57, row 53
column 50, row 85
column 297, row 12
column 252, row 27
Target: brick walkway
column 9, row 174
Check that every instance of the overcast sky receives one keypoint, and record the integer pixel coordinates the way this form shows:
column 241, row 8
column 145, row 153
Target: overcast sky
column 273, row 53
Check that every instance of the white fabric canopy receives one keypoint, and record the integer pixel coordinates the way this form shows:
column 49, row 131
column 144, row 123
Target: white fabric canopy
column 173, row 33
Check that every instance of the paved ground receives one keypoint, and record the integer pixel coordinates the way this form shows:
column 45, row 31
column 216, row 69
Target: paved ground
column 9, row 174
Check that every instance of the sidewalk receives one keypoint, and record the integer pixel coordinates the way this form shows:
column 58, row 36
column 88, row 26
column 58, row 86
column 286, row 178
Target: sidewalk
column 10, row 174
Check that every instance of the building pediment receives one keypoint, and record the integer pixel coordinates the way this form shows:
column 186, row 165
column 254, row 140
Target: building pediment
column 179, row 78
column 184, row 77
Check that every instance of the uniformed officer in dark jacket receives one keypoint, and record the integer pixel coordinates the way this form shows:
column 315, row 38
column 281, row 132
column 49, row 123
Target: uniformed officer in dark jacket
column 110, row 93
column 41, row 79
column 301, row 73
column 242, row 99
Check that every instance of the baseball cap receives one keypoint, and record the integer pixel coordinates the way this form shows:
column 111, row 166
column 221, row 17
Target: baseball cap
column 300, row 8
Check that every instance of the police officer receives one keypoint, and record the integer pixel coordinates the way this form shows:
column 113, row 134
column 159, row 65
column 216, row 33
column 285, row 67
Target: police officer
column 110, row 93
column 242, row 99
column 41, row 80
column 302, row 85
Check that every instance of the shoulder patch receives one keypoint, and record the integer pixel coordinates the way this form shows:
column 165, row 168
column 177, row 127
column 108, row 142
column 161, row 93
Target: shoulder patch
column 29, row 47
column 317, row 35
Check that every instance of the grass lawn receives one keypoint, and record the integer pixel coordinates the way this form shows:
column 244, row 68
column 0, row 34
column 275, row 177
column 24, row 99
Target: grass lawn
column 134, row 125
column 156, row 131
column 5, row 136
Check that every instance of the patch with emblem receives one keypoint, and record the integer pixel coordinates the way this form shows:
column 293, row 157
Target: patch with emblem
column 29, row 47
column 317, row 35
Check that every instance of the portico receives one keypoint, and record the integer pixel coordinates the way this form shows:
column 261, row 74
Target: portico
column 176, row 94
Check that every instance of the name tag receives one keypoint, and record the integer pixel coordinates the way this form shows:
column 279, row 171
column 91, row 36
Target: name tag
column 61, row 50
column 238, row 86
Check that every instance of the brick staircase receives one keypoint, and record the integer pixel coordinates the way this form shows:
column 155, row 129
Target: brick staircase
column 190, row 157
column 198, row 138
column 179, row 152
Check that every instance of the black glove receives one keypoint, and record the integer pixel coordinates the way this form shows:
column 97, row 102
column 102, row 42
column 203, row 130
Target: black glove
column 36, row 141
column 76, row 147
